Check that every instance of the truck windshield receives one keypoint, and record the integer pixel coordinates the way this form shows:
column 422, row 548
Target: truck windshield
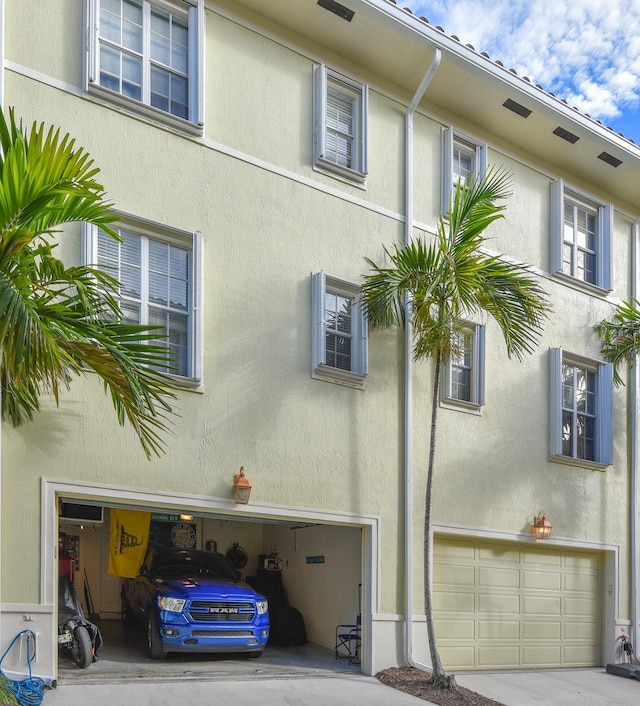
column 194, row 562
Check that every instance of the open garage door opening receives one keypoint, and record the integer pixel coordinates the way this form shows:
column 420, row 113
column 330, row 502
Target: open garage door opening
column 310, row 573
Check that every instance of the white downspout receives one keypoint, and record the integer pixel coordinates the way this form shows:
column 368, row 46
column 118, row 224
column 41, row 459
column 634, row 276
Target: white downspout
column 635, row 553
column 408, row 373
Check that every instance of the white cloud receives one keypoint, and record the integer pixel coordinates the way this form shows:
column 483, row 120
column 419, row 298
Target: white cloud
column 585, row 51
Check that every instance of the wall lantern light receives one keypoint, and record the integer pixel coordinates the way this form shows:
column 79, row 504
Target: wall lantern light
column 242, row 488
column 541, row 527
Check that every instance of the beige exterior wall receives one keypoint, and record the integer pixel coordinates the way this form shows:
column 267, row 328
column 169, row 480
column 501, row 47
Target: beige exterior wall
column 268, row 221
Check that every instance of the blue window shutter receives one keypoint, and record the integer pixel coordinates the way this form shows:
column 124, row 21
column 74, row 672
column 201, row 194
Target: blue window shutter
column 556, row 225
column 447, row 170
column 481, row 161
column 555, row 400
column 318, row 289
column 605, row 413
column 196, row 63
column 364, row 130
column 320, row 110
column 605, row 269
column 480, row 361
column 359, row 362
column 91, row 53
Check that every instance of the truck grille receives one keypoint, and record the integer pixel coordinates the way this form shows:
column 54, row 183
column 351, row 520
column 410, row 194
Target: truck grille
column 221, row 611
column 222, row 633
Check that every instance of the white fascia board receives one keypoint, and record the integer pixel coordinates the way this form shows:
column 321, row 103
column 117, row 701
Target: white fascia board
column 415, row 29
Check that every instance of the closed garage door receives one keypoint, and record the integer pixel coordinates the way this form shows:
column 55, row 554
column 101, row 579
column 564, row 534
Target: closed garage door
column 499, row 605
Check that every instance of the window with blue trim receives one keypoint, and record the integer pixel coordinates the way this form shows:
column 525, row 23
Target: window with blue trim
column 340, row 130
column 581, row 409
column 339, row 338
column 157, row 270
column 463, row 381
column 581, row 232
column 463, row 159
column 145, row 54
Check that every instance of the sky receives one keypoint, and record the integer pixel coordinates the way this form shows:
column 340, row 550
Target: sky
column 584, row 51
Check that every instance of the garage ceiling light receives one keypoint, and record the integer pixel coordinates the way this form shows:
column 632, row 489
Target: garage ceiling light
column 541, row 527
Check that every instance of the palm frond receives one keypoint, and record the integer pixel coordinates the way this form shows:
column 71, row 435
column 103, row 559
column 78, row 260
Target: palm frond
column 58, row 322
column 620, row 337
column 450, row 277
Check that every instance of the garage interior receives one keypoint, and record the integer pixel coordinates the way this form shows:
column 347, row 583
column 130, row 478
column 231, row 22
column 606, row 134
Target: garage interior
column 320, row 567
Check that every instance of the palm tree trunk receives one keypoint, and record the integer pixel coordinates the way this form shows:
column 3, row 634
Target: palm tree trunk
column 439, row 678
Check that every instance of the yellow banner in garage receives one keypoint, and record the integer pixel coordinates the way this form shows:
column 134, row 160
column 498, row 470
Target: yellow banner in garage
column 128, row 541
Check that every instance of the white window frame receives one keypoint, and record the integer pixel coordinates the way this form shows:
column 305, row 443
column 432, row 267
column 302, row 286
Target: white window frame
column 560, row 194
column 193, row 12
column 603, row 428
column 476, row 369
column 326, row 80
column 452, row 141
column 355, row 377
column 184, row 239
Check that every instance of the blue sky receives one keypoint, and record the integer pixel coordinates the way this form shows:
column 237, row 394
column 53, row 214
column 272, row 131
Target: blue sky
column 584, row 51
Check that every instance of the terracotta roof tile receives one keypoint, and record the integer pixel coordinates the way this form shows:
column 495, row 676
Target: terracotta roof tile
column 512, row 71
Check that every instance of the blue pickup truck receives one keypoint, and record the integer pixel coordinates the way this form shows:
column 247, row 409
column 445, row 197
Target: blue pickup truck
column 194, row 601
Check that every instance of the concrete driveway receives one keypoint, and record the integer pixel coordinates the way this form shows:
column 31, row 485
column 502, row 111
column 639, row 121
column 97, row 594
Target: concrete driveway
column 593, row 687
column 574, row 687
column 301, row 676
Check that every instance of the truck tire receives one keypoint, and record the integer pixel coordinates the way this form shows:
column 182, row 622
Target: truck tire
column 81, row 648
column 156, row 648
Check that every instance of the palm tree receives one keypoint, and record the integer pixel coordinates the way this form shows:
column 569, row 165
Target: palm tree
column 59, row 322
column 435, row 286
column 620, row 336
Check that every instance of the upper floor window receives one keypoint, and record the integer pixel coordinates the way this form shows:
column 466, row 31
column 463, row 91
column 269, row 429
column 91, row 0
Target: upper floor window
column 463, row 381
column 146, row 54
column 157, row 272
column 581, row 231
column 463, row 159
column 340, row 131
column 339, row 339
column 581, row 409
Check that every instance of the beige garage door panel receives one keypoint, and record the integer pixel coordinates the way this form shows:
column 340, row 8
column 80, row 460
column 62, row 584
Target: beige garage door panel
column 500, row 606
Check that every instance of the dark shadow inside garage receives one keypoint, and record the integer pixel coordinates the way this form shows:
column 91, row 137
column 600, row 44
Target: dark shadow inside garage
column 124, row 658
column 320, row 568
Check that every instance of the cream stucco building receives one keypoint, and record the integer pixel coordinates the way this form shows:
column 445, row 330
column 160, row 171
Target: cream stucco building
column 264, row 149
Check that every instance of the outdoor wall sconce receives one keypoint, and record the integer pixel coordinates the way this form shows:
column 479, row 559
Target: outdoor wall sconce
column 242, row 488
column 541, row 527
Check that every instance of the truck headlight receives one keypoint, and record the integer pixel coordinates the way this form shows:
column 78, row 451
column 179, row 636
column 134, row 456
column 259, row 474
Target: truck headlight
column 175, row 605
column 263, row 607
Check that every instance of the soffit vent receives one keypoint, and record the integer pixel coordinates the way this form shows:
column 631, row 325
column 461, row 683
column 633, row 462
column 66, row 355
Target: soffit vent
column 517, row 108
column 566, row 135
column 610, row 159
column 337, row 9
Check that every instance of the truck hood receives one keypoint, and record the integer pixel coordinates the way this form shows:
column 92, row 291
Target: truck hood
column 203, row 587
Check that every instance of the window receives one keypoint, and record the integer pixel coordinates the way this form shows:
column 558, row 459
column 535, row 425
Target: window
column 145, row 54
column 462, row 160
column 340, row 131
column 339, row 332
column 580, row 237
column 157, row 272
column 463, row 382
column 581, row 409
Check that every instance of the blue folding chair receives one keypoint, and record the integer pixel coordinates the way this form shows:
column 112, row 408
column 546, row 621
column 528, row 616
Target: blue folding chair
column 348, row 641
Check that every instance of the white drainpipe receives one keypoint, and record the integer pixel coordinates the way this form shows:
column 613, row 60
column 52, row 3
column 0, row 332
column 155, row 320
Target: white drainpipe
column 633, row 423
column 408, row 367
